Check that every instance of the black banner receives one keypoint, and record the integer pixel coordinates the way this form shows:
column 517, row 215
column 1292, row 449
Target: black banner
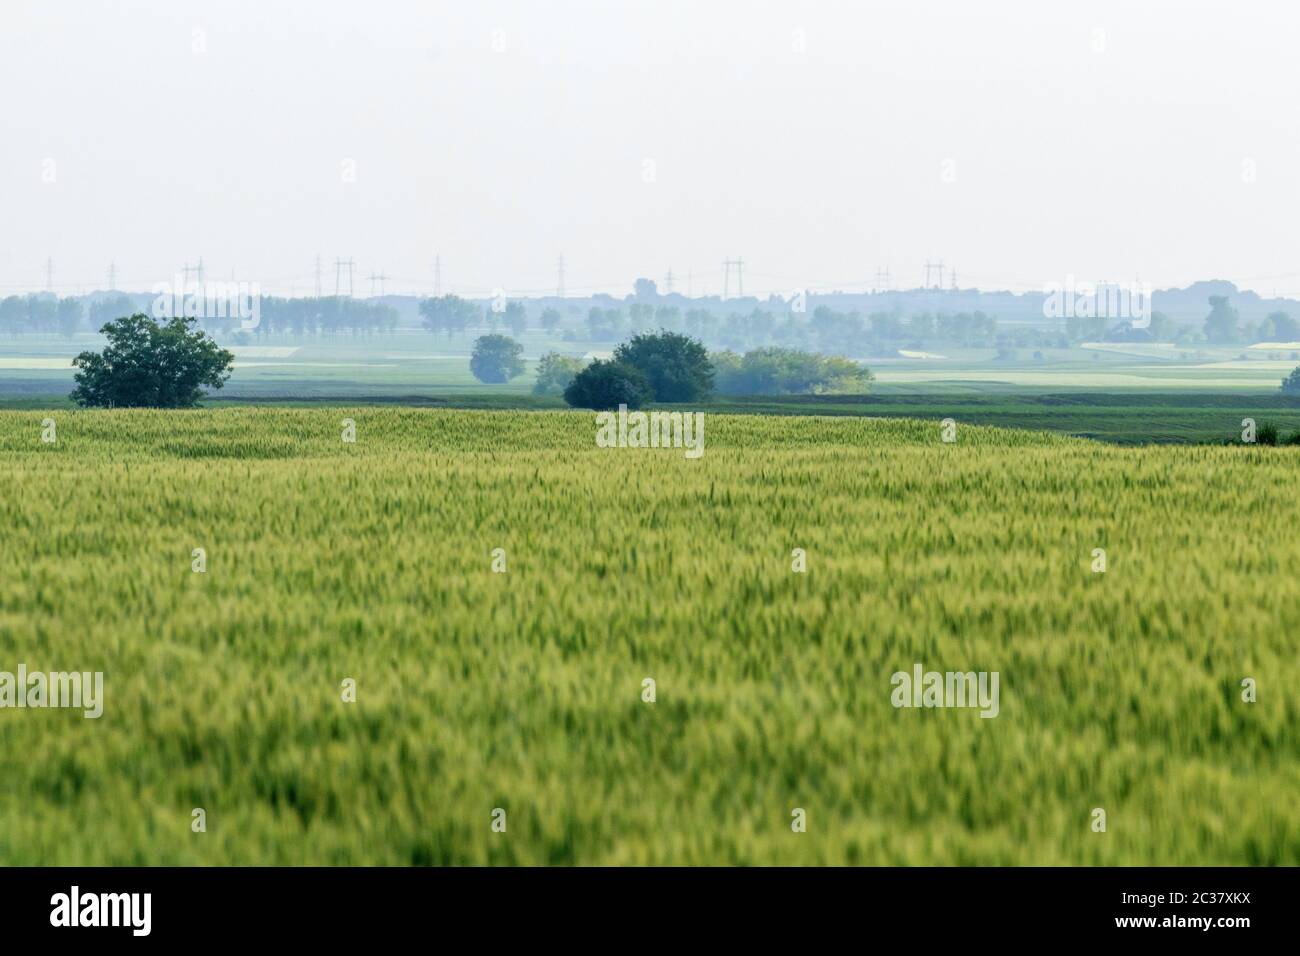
column 1221, row 907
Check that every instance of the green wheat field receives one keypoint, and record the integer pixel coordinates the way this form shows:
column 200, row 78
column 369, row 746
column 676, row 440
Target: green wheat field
column 475, row 690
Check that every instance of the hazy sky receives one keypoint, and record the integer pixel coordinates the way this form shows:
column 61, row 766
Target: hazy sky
column 1018, row 142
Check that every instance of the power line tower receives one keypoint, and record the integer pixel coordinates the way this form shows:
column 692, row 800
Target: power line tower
column 49, row 274
column 199, row 270
column 339, row 266
column 668, row 282
column 882, row 279
column 437, row 275
column 377, row 278
column 112, row 276
column 953, row 285
column 318, row 275
column 559, row 277
column 740, row 276
column 690, row 283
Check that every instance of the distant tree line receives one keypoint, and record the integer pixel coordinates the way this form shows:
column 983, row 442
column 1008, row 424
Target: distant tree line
column 44, row 314
column 326, row 317
column 452, row 315
column 831, row 331
column 825, row 330
column 1223, row 326
column 40, row 314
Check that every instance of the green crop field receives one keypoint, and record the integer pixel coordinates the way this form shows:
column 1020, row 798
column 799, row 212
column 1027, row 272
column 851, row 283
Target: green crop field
column 372, row 561
column 1136, row 417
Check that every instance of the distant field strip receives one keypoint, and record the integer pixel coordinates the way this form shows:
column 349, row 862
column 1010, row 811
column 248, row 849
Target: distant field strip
column 522, row 690
column 17, row 361
column 1239, row 376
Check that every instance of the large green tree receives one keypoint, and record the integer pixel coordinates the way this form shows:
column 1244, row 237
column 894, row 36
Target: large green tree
column 606, row 385
column 150, row 365
column 496, row 359
column 676, row 366
column 554, row 373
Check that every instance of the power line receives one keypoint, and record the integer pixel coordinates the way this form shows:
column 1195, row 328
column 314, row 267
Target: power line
column 876, row 279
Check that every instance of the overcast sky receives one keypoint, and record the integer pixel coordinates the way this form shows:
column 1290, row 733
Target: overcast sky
column 820, row 141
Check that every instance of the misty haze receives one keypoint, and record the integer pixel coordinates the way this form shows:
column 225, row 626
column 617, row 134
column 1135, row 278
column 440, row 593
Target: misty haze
column 629, row 434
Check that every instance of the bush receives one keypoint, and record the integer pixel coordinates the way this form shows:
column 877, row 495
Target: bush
column 606, row 385
column 1270, row 436
column 776, row 371
column 554, row 373
column 1291, row 383
column 147, row 365
column 496, row 359
column 676, row 366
